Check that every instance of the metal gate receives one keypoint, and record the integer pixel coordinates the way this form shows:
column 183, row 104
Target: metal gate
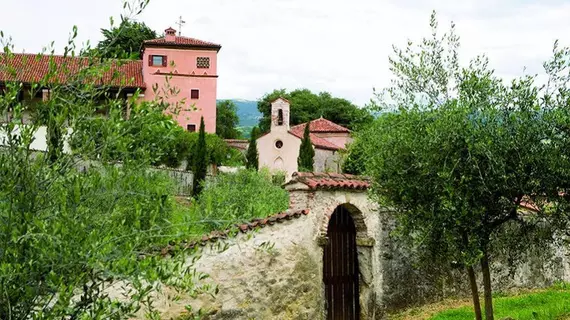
column 340, row 272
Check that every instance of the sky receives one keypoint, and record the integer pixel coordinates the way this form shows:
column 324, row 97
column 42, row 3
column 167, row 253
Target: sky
column 323, row 45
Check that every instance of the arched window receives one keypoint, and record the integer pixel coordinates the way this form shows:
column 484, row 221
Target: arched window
column 280, row 117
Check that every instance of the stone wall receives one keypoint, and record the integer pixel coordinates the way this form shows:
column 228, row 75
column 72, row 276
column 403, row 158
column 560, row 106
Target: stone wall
column 327, row 161
column 276, row 271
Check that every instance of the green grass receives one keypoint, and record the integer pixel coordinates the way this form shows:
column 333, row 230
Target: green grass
column 553, row 303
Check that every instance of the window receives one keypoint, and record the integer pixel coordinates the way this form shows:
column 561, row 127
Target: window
column 278, row 144
column 202, row 62
column 191, row 127
column 280, row 117
column 194, row 94
column 157, row 61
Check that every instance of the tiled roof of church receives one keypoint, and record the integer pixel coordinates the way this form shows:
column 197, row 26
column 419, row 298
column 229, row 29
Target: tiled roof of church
column 330, row 181
column 183, row 42
column 33, row 68
column 320, row 125
column 316, row 141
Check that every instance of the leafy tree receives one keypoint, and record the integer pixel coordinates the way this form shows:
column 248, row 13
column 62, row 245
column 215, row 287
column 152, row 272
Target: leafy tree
column 217, row 150
column 148, row 133
column 461, row 151
column 124, row 41
column 227, row 120
column 307, row 106
column 306, row 161
column 200, row 160
column 252, row 155
column 66, row 234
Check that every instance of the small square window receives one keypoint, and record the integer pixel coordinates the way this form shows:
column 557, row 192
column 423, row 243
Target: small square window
column 191, row 127
column 194, row 94
column 203, row 62
column 158, row 61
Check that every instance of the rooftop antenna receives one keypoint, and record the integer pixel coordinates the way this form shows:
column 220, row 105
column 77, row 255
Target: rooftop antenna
column 180, row 23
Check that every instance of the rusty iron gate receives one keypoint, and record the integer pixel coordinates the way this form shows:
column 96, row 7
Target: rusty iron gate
column 340, row 272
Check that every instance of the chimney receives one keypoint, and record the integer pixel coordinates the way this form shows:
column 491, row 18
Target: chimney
column 170, row 35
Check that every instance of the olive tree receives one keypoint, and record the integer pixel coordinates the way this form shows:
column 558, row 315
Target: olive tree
column 457, row 151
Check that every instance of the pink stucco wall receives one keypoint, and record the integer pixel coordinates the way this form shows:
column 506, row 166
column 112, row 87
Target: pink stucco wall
column 182, row 74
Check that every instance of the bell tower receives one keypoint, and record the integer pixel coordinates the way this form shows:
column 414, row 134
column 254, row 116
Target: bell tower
column 280, row 110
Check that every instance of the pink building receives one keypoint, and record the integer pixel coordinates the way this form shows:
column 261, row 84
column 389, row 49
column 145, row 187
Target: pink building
column 189, row 67
column 181, row 71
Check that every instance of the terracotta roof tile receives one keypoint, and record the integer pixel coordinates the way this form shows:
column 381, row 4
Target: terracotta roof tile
column 320, row 125
column 330, row 181
column 317, row 141
column 244, row 228
column 33, row 68
column 183, row 42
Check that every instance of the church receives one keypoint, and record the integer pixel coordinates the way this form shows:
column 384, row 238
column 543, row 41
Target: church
column 279, row 148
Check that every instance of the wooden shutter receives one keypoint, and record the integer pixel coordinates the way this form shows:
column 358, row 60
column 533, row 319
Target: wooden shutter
column 150, row 60
column 164, row 61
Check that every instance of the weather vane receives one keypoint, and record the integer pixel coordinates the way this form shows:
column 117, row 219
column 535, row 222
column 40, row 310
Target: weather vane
column 180, row 23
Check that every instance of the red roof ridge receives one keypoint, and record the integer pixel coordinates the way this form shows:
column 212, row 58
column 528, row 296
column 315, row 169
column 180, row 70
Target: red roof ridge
column 183, row 41
column 213, row 236
column 321, row 125
column 322, row 180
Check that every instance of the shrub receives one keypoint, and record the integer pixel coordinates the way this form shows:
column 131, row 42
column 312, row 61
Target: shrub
column 148, row 134
column 232, row 197
column 217, row 149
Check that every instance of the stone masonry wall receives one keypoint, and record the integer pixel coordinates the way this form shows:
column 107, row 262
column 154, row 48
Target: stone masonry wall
column 276, row 271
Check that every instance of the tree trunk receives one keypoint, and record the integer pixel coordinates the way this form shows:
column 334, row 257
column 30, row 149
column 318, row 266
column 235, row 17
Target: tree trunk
column 487, row 287
column 472, row 281
column 474, row 293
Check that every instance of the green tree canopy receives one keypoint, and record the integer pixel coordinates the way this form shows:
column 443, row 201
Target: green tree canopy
column 124, row 41
column 200, row 160
column 252, row 155
column 227, row 120
column 307, row 106
column 461, row 151
column 306, row 159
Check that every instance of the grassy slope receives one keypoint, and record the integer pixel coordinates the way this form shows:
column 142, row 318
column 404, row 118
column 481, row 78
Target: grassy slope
column 553, row 303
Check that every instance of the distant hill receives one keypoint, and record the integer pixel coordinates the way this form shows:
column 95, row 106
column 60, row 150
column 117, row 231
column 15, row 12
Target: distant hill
column 248, row 115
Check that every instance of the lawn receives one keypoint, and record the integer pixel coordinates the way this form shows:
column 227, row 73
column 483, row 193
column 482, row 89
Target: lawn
column 552, row 303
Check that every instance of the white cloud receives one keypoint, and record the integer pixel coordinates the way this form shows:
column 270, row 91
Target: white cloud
column 334, row 45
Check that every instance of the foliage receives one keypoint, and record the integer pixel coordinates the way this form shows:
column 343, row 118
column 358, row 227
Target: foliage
column 462, row 151
column 67, row 236
column 307, row 106
column 199, row 160
column 235, row 158
column 278, row 177
column 217, row 150
column 354, row 157
column 227, row 120
column 124, row 41
column 306, row 159
column 252, row 154
column 147, row 133
column 232, row 197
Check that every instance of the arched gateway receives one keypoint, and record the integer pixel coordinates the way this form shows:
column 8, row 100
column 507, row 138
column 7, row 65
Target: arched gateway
column 320, row 259
column 347, row 223
column 340, row 268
